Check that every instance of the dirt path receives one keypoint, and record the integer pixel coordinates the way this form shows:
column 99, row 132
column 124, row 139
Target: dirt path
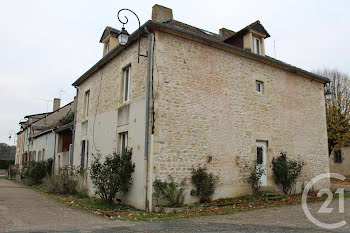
column 22, row 209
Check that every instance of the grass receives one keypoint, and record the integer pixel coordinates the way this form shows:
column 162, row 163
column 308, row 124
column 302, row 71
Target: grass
column 217, row 207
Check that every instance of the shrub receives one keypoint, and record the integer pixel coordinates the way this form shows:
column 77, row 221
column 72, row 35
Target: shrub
column 112, row 176
column 286, row 171
column 171, row 191
column 34, row 172
column 254, row 179
column 5, row 163
column 68, row 118
column 63, row 183
column 204, row 182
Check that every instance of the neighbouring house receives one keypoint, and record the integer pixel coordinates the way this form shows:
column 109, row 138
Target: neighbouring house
column 47, row 136
column 339, row 160
column 198, row 97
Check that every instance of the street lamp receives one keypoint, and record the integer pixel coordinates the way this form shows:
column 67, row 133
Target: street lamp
column 10, row 136
column 123, row 36
column 327, row 92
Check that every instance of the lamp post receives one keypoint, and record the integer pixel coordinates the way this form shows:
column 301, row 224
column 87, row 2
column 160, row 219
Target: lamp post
column 124, row 35
column 327, row 92
column 12, row 132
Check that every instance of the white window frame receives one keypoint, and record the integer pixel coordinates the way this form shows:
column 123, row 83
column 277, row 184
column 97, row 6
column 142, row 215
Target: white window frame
column 126, row 84
column 261, row 84
column 255, row 42
column 123, row 138
column 87, row 100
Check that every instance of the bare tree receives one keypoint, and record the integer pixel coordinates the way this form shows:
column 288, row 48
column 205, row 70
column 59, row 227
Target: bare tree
column 337, row 108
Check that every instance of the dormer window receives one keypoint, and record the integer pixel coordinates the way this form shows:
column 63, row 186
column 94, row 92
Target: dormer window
column 107, row 47
column 256, row 46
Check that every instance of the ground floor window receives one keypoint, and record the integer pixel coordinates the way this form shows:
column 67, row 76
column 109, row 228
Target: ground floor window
column 123, row 138
column 337, row 156
column 84, row 155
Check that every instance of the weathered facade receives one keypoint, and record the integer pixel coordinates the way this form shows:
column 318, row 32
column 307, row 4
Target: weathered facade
column 212, row 98
column 46, row 136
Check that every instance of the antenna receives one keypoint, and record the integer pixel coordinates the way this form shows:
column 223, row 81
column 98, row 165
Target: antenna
column 61, row 91
column 274, row 47
column 47, row 104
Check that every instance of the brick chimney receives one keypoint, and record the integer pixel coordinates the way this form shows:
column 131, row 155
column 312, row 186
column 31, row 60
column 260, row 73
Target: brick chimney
column 161, row 14
column 56, row 104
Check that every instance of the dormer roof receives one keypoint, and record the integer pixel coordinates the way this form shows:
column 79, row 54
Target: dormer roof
column 109, row 30
column 256, row 26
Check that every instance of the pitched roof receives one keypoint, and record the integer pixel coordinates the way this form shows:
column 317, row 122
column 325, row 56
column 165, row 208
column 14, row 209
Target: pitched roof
column 109, row 30
column 196, row 30
column 212, row 39
column 256, row 26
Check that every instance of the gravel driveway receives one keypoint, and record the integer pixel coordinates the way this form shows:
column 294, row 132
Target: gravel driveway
column 24, row 210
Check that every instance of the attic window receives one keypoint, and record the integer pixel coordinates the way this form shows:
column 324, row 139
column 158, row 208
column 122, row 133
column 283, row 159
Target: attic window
column 259, row 86
column 256, row 46
column 107, row 47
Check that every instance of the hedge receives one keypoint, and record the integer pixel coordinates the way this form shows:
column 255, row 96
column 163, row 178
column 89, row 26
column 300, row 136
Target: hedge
column 4, row 163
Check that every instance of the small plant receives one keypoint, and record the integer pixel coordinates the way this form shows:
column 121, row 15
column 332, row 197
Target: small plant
column 63, row 183
column 112, row 176
column 254, row 178
column 204, row 182
column 34, row 172
column 170, row 191
column 286, row 171
column 68, row 118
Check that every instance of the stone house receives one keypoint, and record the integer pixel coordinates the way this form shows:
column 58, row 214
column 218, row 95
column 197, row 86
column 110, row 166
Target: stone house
column 339, row 160
column 198, row 97
column 47, row 135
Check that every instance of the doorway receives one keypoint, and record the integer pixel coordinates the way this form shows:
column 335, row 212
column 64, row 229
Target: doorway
column 261, row 150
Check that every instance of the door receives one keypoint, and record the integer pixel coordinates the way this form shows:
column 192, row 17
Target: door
column 261, row 149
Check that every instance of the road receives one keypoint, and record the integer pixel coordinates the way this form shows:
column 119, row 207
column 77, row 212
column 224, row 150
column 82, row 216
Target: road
column 24, row 210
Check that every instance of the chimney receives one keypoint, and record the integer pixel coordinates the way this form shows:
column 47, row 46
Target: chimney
column 56, row 104
column 225, row 32
column 161, row 14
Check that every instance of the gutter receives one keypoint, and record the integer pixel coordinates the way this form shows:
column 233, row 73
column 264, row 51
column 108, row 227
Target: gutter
column 147, row 162
column 74, row 127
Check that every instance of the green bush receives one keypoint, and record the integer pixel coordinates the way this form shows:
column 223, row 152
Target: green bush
column 254, row 178
column 67, row 119
column 286, row 171
column 171, row 191
column 5, row 163
column 204, row 182
column 112, row 176
column 63, row 183
column 34, row 172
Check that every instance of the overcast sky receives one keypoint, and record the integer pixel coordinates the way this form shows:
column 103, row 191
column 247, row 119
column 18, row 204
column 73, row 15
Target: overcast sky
column 46, row 45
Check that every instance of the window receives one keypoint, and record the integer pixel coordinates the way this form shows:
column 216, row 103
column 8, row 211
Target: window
column 39, row 156
column 256, row 46
column 123, row 141
column 259, row 155
column 126, row 84
column 84, row 154
column 86, row 103
column 337, row 156
column 43, row 155
column 107, row 48
column 259, row 86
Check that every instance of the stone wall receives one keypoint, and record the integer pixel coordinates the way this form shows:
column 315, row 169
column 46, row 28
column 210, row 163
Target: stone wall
column 207, row 106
